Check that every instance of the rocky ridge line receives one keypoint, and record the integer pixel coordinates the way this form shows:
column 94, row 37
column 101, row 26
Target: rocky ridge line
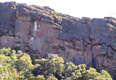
column 86, row 40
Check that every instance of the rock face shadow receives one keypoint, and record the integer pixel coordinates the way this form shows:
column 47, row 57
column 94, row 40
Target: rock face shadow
column 42, row 32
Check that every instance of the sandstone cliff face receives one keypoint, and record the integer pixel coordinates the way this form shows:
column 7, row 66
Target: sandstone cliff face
column 42, row 31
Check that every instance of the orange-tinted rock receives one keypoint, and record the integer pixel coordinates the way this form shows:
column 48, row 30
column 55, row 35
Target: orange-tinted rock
column 35, row 30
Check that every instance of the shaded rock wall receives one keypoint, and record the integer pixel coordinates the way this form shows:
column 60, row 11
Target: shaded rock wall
column 89, row 41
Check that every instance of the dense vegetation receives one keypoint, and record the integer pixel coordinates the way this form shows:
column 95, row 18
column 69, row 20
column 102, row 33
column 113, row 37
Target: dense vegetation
column 18, row 66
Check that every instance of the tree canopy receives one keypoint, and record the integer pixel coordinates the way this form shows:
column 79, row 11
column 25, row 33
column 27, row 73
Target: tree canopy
column 16, row 65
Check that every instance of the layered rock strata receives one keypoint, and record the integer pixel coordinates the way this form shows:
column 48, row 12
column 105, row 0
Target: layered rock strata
column 41, row 31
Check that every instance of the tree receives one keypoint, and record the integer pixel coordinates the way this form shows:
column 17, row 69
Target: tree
column 51, row 77
column 73, row 72
column 93, row 74
column 24, row 64
column 40, row 77
column 18, row 66
column 6, row 74
column 69, row 68
column 106, row 75
column 52, row 65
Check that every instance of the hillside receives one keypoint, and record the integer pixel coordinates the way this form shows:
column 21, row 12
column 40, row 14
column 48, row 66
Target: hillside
column 16, row 65
column 40, row 31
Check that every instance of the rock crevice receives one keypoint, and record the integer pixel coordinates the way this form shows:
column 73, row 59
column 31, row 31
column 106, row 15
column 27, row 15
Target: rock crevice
column 86, row 40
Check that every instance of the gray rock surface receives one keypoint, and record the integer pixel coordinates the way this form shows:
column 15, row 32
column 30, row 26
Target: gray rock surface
column 86, row 40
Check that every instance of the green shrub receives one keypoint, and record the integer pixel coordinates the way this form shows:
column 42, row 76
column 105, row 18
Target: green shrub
column 16, row 65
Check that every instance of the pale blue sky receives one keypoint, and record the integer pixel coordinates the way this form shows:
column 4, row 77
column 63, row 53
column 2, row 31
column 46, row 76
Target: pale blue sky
column 77, row 8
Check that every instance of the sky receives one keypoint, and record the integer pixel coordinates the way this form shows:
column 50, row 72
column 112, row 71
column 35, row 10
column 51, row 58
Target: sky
column 77, row 8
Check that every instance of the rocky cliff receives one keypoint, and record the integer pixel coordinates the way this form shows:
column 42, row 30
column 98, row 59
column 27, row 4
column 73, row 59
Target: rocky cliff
column 41, row 31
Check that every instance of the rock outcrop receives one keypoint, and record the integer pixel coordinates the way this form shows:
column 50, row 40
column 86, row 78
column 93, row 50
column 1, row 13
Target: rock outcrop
column 41, row 31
